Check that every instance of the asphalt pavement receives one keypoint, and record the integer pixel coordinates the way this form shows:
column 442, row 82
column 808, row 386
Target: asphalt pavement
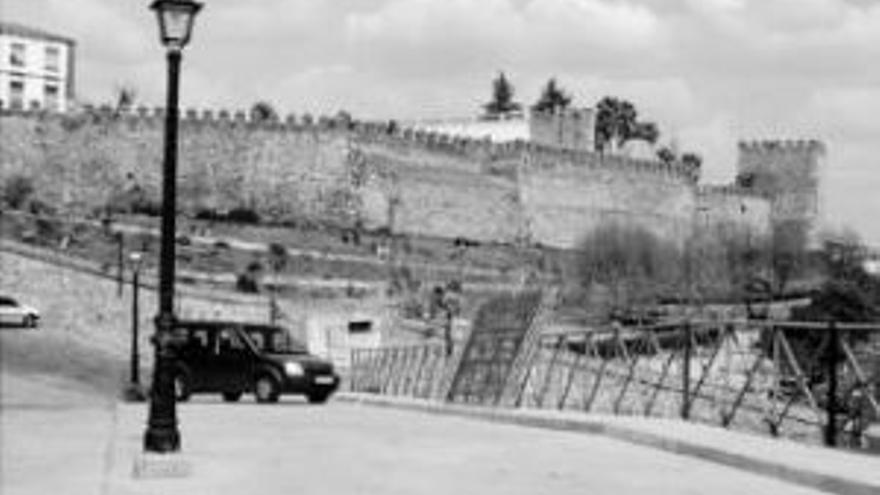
column 58, row 437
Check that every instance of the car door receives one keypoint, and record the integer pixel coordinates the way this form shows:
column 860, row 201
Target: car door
column 9, row 314
column 197, row 355
column 230, row 361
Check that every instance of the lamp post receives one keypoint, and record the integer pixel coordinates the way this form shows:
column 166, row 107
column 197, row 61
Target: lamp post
column 162, row 435
column 135, row 259
column 134, row 391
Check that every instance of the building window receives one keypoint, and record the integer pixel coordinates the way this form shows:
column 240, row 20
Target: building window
column 53, row 55
column 50, row 97
column 17, row 55
column 16, row 94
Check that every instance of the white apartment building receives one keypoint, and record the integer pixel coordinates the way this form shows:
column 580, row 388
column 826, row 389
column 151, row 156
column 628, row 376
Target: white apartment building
column 36, row 68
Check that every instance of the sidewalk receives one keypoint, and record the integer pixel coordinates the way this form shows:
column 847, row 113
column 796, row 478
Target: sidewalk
column 56, row 439
column 835, row 471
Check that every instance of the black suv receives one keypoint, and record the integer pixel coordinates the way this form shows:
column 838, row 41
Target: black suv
column 232, row 358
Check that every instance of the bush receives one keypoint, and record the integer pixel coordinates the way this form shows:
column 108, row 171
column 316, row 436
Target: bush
column 243, row 215
column 17, row 190
column 635, row 265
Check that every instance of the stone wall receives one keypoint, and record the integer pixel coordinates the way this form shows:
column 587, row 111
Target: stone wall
column 80, row 161
column 565, row 196
column 505, row 192
column 789, row 173
column 332, row 171
column 732, row 208
column 568, row 128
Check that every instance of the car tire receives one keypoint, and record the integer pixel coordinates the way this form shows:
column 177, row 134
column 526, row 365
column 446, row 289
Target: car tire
column 29, row 321
column 317, row 398
column 232, row 396
column 182, row 390
column 266, row 389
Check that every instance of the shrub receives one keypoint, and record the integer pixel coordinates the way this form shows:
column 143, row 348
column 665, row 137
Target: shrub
column 632, row 263
column 243, row 215
column 17, row 190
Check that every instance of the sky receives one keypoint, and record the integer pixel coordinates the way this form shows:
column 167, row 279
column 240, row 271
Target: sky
column 709, row 72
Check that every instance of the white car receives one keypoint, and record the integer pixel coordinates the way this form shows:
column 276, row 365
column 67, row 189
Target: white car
column 13, row 313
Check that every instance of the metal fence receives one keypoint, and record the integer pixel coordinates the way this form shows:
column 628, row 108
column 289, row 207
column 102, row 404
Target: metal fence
column 815, row 382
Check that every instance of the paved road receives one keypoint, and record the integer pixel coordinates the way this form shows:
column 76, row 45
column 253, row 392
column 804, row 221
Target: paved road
column 58, row 438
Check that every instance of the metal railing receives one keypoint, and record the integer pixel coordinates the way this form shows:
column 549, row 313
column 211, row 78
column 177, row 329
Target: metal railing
column 816, row 382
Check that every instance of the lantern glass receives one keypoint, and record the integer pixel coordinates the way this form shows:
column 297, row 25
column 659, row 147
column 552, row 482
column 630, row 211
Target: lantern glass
column 175, row 21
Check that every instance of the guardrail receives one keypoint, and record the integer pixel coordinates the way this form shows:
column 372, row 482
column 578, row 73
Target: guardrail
column 817, row 382
column 415, row 371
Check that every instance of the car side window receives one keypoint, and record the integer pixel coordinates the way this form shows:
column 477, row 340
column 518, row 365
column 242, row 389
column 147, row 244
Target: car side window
column 258, row 339
column 227, row 342
column 199, row 340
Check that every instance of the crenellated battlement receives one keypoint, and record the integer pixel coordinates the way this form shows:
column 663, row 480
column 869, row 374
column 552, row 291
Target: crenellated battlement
column 727, row 190
column 782, row 146
column 534, row 156
column 222, row 118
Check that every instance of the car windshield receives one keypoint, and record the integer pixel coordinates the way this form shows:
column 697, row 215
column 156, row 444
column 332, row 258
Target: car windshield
column 275, row 340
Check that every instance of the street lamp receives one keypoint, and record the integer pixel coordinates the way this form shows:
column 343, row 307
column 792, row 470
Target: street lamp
column 135, row 391
column 175, row 26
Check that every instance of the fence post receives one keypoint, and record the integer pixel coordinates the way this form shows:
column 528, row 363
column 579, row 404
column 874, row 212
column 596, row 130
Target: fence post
column 831, row 400
column 686, row 372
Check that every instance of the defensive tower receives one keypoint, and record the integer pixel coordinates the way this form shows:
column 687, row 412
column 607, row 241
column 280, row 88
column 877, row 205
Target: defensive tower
column 789, row 174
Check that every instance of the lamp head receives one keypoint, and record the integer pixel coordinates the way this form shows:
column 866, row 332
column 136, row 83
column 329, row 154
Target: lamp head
column 175, row 21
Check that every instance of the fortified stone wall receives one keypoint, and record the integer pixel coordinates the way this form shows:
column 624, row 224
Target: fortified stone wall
column 335, row 171
column 419, row 185
column 81, row 161
column 567, row 128
column 519, row 190
column 789, row 173
column 732, row 209
column 567, row 195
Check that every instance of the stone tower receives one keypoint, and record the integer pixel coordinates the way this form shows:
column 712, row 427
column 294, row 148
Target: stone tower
column 789, row 174
column 568, row 128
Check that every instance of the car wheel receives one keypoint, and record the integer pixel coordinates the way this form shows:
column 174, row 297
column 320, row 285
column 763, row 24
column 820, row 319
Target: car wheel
column 181, row 388
column 232, row 396
column 318, row 398
column 266, row 389
column 29, row 321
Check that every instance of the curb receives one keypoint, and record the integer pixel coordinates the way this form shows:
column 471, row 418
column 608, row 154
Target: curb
column 547, row 420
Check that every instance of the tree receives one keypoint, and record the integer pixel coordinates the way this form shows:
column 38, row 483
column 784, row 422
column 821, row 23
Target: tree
column 665, row 154
column 646, row 131
column 263, row 111
column 788, row 253
column 502, row 104
column 125, row 98
column 630, row 262
column 849, row 294
column 617, row 122
column 692, row 160
column 278, row 258
column 552, row 99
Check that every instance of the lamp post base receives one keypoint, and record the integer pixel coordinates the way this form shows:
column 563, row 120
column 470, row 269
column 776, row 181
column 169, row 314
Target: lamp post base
column 162, row 440
column 158, row 466
column 134, row 392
